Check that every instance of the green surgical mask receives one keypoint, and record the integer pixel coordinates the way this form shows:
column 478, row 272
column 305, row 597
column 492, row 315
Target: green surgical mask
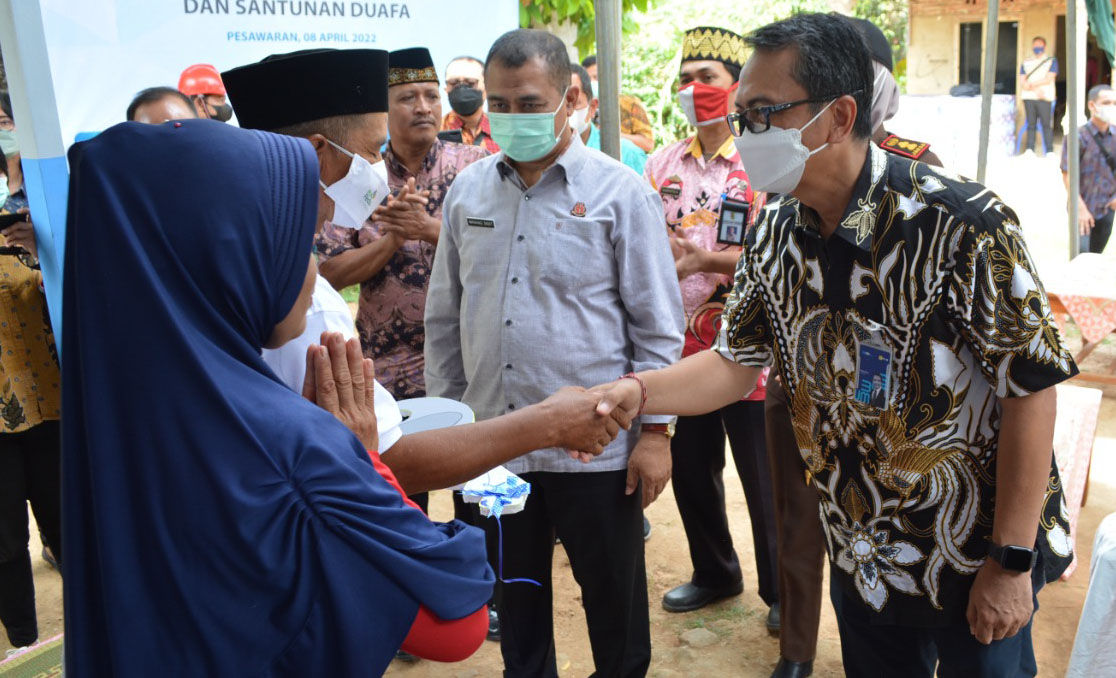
column 9, row 146
column 525, row 137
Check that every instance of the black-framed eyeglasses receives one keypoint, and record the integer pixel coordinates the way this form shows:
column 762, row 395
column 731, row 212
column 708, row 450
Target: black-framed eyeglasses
column 757, row 119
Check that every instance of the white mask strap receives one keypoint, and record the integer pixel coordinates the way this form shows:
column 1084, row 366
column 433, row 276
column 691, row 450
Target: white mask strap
column 339, row 148
column 817, row 116
column 348, row 153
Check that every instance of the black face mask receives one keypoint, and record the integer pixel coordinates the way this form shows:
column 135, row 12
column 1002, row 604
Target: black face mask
column 465, row 100
column 222, row 112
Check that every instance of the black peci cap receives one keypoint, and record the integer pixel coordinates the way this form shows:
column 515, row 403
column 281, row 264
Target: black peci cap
column 413, row 64
column 286, row 89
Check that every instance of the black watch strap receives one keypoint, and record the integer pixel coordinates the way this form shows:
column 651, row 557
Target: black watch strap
column 1014, row 558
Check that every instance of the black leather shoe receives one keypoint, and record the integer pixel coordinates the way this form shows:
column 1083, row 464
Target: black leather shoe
column 646, row 528
column 688, row 597
column 493, row 625
column 774, row 620
column 788, row 669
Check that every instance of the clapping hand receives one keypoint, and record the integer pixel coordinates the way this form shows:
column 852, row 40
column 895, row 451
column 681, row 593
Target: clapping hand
column 405, row 216
column 341, row 381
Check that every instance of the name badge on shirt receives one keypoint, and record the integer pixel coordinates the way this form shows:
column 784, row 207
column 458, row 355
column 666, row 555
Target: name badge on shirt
column 873, row 375
column 480, row 223
column 672, row 191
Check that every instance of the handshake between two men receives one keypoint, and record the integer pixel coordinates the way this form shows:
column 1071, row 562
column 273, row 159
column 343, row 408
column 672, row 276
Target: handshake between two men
column 340, row 380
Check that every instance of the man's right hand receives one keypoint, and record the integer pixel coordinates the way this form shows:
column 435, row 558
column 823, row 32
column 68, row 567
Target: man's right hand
column 583, row 431
column 621, row 395
column 1085, row 221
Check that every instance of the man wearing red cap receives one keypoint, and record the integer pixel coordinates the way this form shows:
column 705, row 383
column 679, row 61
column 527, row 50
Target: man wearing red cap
column 202, row 83
column 707, row 200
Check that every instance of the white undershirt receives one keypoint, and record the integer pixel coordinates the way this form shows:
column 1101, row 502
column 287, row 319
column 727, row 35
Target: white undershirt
column 329, row 313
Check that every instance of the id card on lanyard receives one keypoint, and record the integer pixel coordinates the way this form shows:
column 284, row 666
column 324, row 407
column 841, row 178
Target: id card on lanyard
column 732, row 221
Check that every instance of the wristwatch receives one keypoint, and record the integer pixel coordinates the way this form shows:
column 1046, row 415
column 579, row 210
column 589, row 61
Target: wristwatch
column 1014, row 558
column 665, row 429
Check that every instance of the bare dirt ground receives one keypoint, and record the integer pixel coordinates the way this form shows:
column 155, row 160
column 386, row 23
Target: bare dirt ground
column 1033, row 187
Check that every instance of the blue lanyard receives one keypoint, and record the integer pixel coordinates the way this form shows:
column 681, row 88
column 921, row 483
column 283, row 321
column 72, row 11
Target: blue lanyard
column 495, row 498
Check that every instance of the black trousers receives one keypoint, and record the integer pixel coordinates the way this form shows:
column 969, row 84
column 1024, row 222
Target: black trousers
column 698, row 454
column 1098, row 237
column 1039, row 113
column 30, row 471
column 870, row 650
column 601, row 530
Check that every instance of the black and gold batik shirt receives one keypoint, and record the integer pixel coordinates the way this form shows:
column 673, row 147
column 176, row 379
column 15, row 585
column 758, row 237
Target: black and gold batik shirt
column 897, row 337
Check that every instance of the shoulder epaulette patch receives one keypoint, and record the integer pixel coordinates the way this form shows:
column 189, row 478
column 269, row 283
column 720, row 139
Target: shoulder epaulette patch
column 905, row 147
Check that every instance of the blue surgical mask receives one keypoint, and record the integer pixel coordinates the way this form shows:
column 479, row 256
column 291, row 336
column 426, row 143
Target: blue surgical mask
column 525, row 137
column 1038, row 50
column 9, row 145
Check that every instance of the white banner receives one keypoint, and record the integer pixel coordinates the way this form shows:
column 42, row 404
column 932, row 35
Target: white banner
column 102, row 52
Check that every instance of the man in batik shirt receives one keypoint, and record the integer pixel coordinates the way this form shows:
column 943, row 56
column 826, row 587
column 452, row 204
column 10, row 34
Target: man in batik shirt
column 391, row 257
column 693, row 177
column 943, row 511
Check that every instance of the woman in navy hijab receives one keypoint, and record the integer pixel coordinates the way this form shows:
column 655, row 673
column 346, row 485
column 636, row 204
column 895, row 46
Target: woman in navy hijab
column 214, row 522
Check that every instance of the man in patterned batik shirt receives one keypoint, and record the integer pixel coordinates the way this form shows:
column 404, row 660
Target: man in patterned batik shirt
column 391, row 257
column 943, row 510
column 692, row 177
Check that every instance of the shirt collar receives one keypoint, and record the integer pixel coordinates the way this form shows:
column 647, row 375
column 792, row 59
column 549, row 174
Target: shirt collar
column 859, row 220
column 398, row 169
column 568, row 163
column 484, row 126
column 1097, row 129
column 455, row 121
column 726, row 151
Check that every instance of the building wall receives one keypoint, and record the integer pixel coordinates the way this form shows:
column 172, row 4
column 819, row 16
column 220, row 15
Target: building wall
column 933, row 52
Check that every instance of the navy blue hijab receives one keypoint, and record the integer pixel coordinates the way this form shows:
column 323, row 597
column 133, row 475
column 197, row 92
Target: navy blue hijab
column 215, row 523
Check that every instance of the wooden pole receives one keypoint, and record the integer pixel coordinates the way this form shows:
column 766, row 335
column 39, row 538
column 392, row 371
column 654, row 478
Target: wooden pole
column 988, row 84
column 608, row 74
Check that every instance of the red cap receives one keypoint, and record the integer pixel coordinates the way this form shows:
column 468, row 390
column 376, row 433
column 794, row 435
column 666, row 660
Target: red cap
column 201, row 79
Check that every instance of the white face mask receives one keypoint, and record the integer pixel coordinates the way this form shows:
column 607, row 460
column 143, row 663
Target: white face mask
column 357, row 193
column 579, row 121
column 774, row 160
column 1107, row 113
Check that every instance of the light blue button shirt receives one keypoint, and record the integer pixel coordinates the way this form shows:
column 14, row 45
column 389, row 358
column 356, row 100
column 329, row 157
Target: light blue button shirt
column 568, row 282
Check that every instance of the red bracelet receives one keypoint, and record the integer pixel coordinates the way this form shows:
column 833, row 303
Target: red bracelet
column 642, row 390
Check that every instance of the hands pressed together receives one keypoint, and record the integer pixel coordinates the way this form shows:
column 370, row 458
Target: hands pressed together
column 341, row 381
column 404, row 215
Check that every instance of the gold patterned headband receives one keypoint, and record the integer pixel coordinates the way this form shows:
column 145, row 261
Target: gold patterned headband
column 403, row 76
column 715, row 44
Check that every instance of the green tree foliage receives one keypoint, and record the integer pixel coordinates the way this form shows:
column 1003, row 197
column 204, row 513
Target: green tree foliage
column 580, row 13
column 651, row 55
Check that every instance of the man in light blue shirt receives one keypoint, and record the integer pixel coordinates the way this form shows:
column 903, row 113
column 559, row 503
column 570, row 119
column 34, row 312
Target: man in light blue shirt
column 631, row 155
column 554, row 268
